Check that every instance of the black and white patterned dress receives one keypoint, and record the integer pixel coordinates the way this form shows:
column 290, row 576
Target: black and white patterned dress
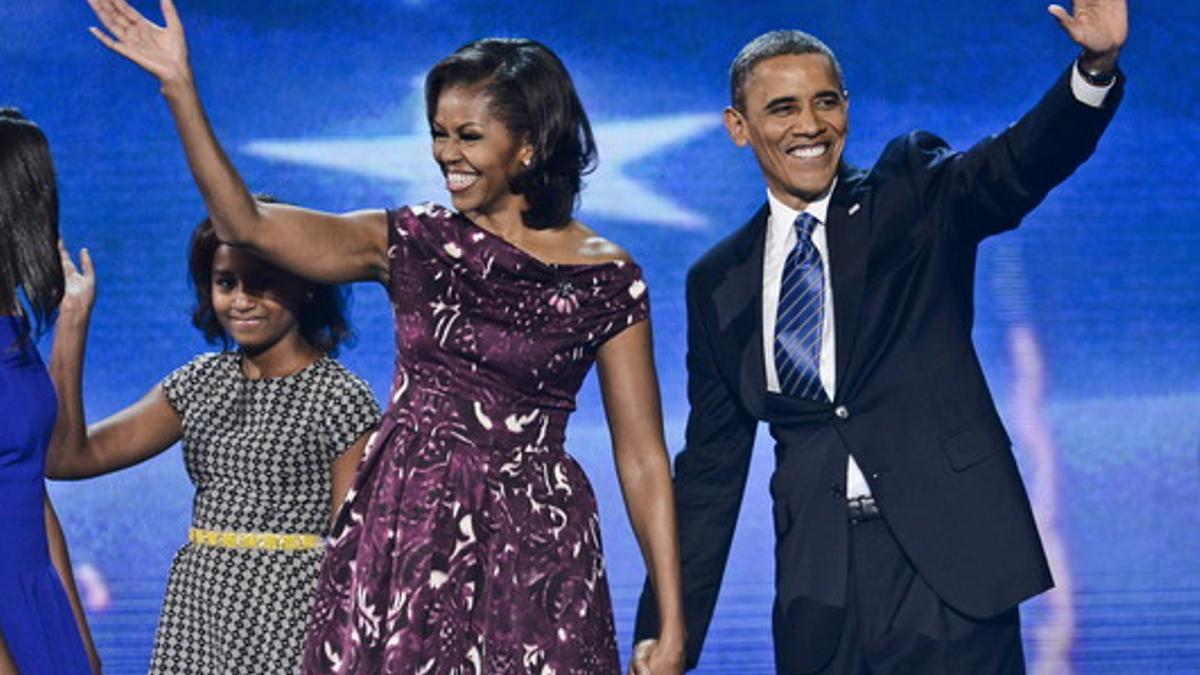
column 259, row 453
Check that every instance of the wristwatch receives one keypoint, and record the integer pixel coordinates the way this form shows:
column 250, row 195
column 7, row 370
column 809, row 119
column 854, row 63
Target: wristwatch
column 1096, row 78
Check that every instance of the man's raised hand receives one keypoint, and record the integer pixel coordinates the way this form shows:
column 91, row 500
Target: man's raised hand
column 1100, row 27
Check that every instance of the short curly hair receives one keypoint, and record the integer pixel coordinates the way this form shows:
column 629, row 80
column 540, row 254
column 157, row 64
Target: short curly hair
column 771, row 44
column 323, row 319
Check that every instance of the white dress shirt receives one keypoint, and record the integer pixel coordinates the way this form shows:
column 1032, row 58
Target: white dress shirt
column 781, row 239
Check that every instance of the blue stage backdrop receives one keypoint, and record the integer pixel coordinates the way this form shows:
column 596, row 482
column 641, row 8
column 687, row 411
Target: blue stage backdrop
column 1088, row 316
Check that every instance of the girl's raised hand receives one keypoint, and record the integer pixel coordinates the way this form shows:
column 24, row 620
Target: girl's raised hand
column 160, row 50
column 79, row 287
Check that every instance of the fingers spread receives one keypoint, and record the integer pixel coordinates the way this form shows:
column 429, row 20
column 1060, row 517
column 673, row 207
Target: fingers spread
column 1061, row 14
column 129, row 14
column 170, row 15
column 107, row 41
column 65, row 259
column 110, row 21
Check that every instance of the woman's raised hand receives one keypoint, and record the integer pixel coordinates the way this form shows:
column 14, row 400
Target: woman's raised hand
column 160, row 50
column 353, row 246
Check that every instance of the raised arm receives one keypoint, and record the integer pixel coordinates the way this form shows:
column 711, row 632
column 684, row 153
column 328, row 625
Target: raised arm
column 629, row 387
column 133, row 435
column 992, row 186
column 323, row 247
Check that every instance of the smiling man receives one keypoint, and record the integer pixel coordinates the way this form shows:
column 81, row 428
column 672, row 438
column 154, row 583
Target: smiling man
column 793, row 110
column 841, row 316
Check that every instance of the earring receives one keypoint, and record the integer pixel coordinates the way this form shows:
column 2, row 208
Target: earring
column 526, row 162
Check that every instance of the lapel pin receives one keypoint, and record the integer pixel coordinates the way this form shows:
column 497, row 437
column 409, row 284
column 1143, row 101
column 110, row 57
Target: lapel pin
column 854, row 209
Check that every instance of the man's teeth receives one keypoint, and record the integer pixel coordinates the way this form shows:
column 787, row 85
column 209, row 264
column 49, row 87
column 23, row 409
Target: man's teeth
column 808, row 152
column 458, row 179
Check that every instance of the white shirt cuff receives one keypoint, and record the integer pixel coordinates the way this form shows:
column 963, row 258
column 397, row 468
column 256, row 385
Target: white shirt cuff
column 1086, row 92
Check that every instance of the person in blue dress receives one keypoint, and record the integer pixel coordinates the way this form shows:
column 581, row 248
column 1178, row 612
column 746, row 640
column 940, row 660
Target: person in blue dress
column 42, row 625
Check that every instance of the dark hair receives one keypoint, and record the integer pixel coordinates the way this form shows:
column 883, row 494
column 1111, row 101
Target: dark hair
column 775, row 43
column 322, row 319
column 532, row 94
column 29, row 257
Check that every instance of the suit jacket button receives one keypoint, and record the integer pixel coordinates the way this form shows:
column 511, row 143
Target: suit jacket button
column 842, row 412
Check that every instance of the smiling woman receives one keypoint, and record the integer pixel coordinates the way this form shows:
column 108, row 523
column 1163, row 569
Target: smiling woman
column 477, row 153
column 536, row 122
column 470, row 540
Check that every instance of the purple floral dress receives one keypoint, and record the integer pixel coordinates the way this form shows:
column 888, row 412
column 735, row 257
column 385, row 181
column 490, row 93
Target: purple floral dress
column 470, row 543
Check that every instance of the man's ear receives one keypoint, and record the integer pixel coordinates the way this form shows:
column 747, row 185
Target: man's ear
column 735, row 125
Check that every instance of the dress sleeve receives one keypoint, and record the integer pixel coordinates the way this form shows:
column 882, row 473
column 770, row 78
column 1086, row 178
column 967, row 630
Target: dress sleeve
column 181, row 385
column 406, row 230
column 350, row 411
column 621, row 300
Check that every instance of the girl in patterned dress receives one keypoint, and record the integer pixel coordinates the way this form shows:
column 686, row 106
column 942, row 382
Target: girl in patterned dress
column 272, row 433
column 469, row 542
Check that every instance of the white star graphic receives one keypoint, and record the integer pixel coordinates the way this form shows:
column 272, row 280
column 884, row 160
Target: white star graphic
column 609, row 193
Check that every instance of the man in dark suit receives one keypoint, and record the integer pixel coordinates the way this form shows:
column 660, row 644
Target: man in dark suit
column 841, row 315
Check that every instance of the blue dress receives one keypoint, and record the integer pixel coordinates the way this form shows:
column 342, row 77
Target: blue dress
column 35, row 616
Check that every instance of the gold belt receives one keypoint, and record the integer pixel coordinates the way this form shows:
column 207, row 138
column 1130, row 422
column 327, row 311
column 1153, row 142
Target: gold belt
column 254, row 540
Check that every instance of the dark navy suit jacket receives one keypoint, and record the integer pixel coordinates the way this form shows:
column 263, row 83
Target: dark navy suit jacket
column 915, row 409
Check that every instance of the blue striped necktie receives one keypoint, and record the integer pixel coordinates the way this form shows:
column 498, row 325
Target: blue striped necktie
column 801, row 317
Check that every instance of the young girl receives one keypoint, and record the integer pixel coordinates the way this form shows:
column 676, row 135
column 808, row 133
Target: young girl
column 272, row 432
column 42, row 627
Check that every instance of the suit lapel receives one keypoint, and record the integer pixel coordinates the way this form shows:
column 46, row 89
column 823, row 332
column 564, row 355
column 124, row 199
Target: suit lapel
column 738, row 304
column 738, row 298
column 847, row 231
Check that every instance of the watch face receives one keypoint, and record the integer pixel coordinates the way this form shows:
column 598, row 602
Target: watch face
column 1098, row 78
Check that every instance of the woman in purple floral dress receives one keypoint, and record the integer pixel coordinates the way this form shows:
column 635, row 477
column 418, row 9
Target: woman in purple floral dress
column 469, row 542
